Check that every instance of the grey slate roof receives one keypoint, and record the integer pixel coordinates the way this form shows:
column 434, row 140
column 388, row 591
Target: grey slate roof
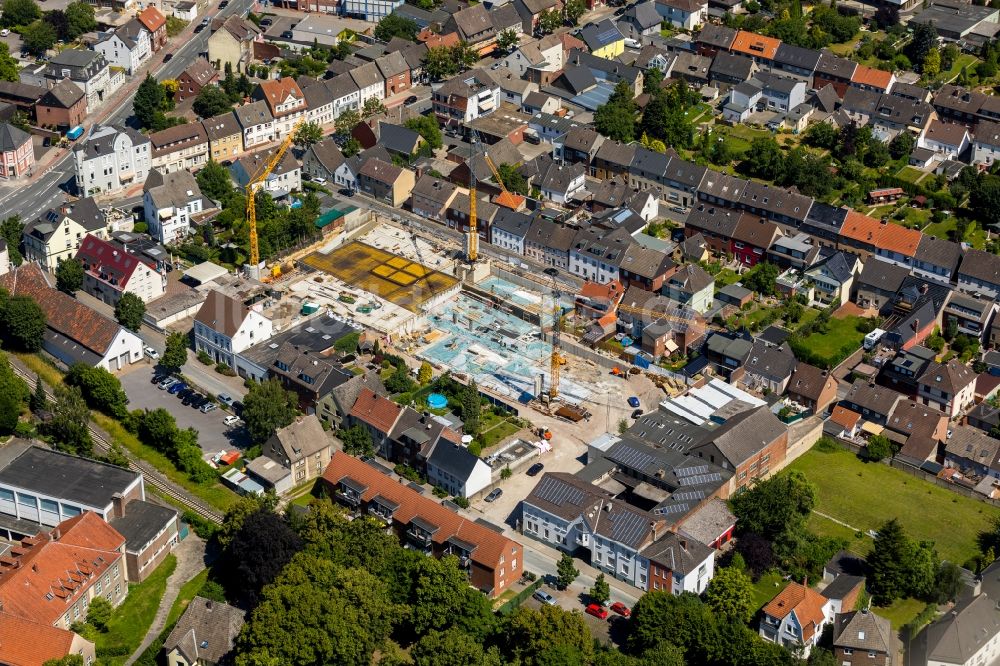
column 222, row 126
column 255, row 113
column 682, row 553
column 961, row 633
column 12, row 138
column 453, row 459
column 141, row 523
column 67, row 477
column 981, row 266
column 774, row 363
column 939, row 252
column 62, row 95
column 839, row 266
column 397, row 138
column 883, row 275
column 863, row 630
column 300, row 439
column 206, row 632
column 876, row 399
column 796, row 56
column 746, row 434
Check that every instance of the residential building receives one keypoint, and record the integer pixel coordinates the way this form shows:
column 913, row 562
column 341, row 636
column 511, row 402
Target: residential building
column 62, row 106
column 750, row 443
column 965, row 636
column 986, row 142
column 127, row 47
column 451, row 466
column 205, row 634
column 834, row 70
column 180, row 148
column 862, row 638
column 151, row 531
column 877, row 284
column 370, row 82
column 679, row 563
column 155, row 23
column 112, row 159
column 751, row 239
column 769, row 368
column 874, row 403
column 48, row 558
column 974, row 316
column 474, row 27
column 372, row 11
column 224, row 327
column 385, row 181
column 509, row 230
column 30, row 643
column 936, row 258
column 285, row 101
column 980, row 273
column 834, row 276
column 394, row 68
column 56, row 236
column 257, row 123
column 303, row 447
column 171, row 203
column 531, row 10
column 376, row 414
column 796, row 618
column 89, row 70
column 109, row 272
column 431, row 197
column 197, row 75
column 946, row 140
column 17, row 156
column 319, row 104
column 492, row 560
column 972, row 451
column 232, row 44
column 683, row 14
column 603, row 39
column 642, row 19
column 692, row 286
column 225, row 137
column 949, row 387
column 465, row 97
column 74, row 332
column 321, row 160
column 285, row 177
column 310, row 375
column 812, row 387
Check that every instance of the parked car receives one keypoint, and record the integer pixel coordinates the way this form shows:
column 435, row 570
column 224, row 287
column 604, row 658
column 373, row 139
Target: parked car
column 287, row 34
column 633, row 43
column 177, row 388
column 168, row 57
column 231, row 420
column 551, row 271
column 633, row 402
column 535, row 469
column 621, row 609
column 207, row 407
column 636, row 413
column 265, row 23
column 4, row 32
column 544, row 597
column 597, row 611
column 226, row 399
column 223, row 4
column 494, row 495
column 412, row 99
column 151, row 353
column 167, row 383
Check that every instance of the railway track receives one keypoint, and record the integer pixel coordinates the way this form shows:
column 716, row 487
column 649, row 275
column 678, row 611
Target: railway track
column 150, row 474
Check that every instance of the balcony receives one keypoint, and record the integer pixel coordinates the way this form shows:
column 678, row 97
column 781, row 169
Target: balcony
column 419, row 537
column 348, row 497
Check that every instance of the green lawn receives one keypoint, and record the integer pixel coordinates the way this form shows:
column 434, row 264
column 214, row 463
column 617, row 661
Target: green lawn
column 901, row 611
column 961, row 61
column 187, row 592
column 766, row 588
column 841, row 334
column 726, row 277
column 946, row 230
column 866, row 495
column 131, row 620
column 497, row 433
column 910, row 175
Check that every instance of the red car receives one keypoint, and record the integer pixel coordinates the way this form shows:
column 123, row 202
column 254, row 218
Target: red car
column 621, row 609
column 599, row 612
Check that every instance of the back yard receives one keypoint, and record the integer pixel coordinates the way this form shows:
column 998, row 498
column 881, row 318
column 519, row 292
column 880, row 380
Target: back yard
column 832, row 342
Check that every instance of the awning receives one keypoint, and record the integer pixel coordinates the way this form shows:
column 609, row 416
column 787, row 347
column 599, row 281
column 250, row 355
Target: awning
column 872, row 428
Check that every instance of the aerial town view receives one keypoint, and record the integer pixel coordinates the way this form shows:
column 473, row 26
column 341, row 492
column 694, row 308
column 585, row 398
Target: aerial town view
column 500, row 332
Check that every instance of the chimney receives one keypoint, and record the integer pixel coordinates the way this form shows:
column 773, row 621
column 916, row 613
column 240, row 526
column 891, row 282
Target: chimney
column 118, row 505
column 209, row 603
column 56, row 534
column 684, row 545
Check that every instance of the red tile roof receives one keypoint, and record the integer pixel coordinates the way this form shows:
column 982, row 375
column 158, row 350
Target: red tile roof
column 806, row 603
column 895, row 238
column 869, row 76
column 490, row 546
column 431, row 39
column 861, row 227
column 102, row 258
column 152, row 18
column 62, row 568
column 27, row 643
column 510, row 200
column 63, row 314
column 845, row 417
column 607, row 291
column 278, row 91
column 752, row 44
column 378, row 412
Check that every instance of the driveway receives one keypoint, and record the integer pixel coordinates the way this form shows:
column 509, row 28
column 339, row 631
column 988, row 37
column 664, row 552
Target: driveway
column 213, row 435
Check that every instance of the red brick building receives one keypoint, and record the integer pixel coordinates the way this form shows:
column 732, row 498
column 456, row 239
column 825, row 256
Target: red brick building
column 752, row 237
column 752, row 443
column 63, row 106
column 198, row 75
column 492, row 561
column 153, row 20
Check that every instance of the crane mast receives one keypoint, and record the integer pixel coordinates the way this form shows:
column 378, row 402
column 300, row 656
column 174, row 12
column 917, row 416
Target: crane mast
column 472, row 234
column 251, row 190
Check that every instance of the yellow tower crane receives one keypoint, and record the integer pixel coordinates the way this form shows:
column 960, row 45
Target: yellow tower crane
column 256, row 181
column 556, row 361
column 472, row 235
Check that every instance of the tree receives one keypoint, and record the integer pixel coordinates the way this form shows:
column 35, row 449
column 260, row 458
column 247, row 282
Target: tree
column 764, row 159
column 80, row 17
column 11, row 230
column 984, row 199
column 357, row 441
column 449, row 648
column 616, row 118
column 601, row 591
column 822, row 135
column 8, row 66
column 512, row 179
column 472, row 407
column 730, row 595
column 38, row 37
column 308, row 134
column 762, row 278
column 440, row 62
column 878, row 448
column 211, row 101
column 351, row 147
column 69, row 276
column 129, row 311
column 19, row 12
column 428, row 129
column 23, row 323
column 99, row 613
column 888, row 562
column 536, row 636
column 67, row 426
column 148, row 101
column 574, row 10
column 660, row 617
column 68, row 660
column 214, row 181
column 394, row 25
column 425, row 374
column 347, row 121
column 923, row 42
column 256, row 555
column 772, row 506
column 100, row 389
column 931, row 66
column 39, row 401
column 507, row 40
column 566, row 571
column 399, row 381
column 176, row 352
column 549, row 21
column 10, row 411
column 267, row 407
column 947, row 583
column 372, row 106
column 902, row 145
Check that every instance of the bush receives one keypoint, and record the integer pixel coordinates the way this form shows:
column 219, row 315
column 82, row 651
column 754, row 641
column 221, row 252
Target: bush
column 140, row 227
column 461, row 501
column 203, row 527
column 224, row 369
column 204, row 358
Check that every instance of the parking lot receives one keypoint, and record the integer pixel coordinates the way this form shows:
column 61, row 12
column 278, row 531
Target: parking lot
column 213, row 434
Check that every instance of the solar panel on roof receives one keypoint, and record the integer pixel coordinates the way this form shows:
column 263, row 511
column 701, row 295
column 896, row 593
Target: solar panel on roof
column 700, row 479
column 683, row 495
column 555, row 491
column 627, row 527
column 670, row 509
column 632, row 457
column 608, row 35
column 688, row 471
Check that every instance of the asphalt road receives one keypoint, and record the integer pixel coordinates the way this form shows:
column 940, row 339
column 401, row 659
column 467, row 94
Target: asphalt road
column 48, row 190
